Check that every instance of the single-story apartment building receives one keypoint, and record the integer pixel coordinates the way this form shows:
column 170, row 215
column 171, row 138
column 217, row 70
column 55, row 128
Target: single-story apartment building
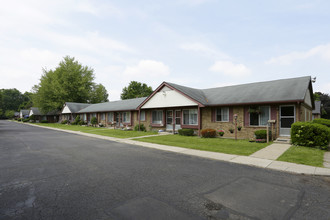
column 70, row 110
column 171, row 107
column 52, row 116
column 317, row 111
column 24, row 113
column 122, row 113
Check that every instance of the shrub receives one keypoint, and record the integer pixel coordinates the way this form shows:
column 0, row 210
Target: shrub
column 186, row 132
column 64, row 122
column 310, row 135
column 82, row 123
column 26, row 120
column 44, row 121
column 76, row 121
column 32, row 118
column 322, row 121
column 94, row 121
column 142, row 127
column 262, row 134
column 208, row 133
column 19, row 119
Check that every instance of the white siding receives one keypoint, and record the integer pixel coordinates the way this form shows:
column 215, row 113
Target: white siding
column 30, row 113
column 308, row 99
column 66, row 110
column 170, row 98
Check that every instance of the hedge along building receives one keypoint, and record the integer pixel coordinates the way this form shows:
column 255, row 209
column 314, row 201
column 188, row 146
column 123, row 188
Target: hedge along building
column 122, row 113
column 171, row 106
column 70, row 110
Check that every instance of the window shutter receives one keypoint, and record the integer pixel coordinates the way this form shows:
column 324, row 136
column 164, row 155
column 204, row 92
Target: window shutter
column 213, row 115
column 273, row 113
column 246, row 116
column 231, row 114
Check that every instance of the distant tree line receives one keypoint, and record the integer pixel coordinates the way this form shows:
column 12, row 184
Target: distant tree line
column 325, row 102
column 70, row 81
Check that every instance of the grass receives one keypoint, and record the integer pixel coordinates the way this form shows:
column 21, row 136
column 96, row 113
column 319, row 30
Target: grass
column 100, row 131
column 228, row 146
column 303, row 155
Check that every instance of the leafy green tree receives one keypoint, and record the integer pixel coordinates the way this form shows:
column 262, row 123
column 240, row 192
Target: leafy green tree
column 94, row 121
column 98, row 94
column 11, row 99
column 69, row 82
column 325, row 101
column 10, row 113
column 136, row 90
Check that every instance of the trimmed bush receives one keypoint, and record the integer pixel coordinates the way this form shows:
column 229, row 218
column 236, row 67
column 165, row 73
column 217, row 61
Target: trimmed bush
column 82, row 123
column 64, row 122
column 94, row 121
column 186, row 132
column 322, row 121
column 44, row 121
column 262, row 134
column 208, row 133
column 142, row 127
column 26, row 120
column 76, row 120
column 310, row 135
column 19, row 119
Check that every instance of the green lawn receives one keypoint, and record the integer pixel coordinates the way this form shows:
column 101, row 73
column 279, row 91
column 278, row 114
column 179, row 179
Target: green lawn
column 229, row 146
column 303, row 155
column 100, row 131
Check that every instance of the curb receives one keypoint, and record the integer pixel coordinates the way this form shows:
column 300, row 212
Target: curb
column 245, row 160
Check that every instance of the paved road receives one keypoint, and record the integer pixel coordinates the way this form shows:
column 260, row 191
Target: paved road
column 46, row 174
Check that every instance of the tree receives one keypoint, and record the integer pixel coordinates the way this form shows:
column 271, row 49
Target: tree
column 98, row 94
column 10, row 114
column 69, row 82
column 325, row 101
column 135, row 90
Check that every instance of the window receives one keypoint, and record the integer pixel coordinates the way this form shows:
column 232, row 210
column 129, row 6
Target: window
column 157, row 116
column 142, row 115
column 110, row 117
column 222, row 114
column 126, row 117
column 259, row 116
column 102, row 116
column 85, row 117
column 190, row 117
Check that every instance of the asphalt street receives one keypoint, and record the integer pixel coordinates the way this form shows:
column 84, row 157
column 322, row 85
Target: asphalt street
column 47, row 174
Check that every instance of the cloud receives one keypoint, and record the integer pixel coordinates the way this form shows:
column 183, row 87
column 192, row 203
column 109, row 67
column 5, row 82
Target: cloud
column 149, row 68
column 193, row 2
column 322, row 51
column 203, row 49
column 230, row 69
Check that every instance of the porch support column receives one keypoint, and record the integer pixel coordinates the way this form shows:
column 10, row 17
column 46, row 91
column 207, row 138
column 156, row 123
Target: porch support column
column 199, row 121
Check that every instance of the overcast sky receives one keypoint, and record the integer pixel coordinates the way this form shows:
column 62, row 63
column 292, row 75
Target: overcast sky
column 196, row 43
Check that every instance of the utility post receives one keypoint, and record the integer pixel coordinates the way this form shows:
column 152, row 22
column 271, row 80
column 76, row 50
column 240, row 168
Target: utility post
column 235, row 120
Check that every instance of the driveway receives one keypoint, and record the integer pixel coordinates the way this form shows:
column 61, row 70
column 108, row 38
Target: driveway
column 46, row 174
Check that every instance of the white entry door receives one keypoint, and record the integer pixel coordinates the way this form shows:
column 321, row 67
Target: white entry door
column 287, row 118
column 169, row 120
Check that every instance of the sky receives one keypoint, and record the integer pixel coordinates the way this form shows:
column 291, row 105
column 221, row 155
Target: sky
column 195, row 43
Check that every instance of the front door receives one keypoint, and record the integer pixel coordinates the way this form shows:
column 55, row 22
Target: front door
column 287, row 118
column 169, row 120
column 177, row 120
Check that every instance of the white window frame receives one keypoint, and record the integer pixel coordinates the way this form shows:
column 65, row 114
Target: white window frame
column 102, row 116
column 195, row 111
column 259, row 117
column 110, row 116
column 222, row 113
column 126, row 117
column 142, row 115
column 160, row 122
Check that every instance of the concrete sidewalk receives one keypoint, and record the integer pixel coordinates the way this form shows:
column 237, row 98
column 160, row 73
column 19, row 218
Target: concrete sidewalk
column 271, row 152
column 246, row 160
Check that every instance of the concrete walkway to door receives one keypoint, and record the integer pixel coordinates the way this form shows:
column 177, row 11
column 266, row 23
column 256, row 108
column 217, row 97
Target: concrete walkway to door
column 271, row 152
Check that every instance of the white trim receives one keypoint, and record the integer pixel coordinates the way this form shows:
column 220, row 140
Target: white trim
column 280, row 124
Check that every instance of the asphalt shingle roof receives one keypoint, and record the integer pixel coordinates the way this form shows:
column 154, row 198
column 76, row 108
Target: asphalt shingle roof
column 25, row 111
column 282, row 90
column 121, row 105
column 317, row 109
column 36, row 111
column 76, row 107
